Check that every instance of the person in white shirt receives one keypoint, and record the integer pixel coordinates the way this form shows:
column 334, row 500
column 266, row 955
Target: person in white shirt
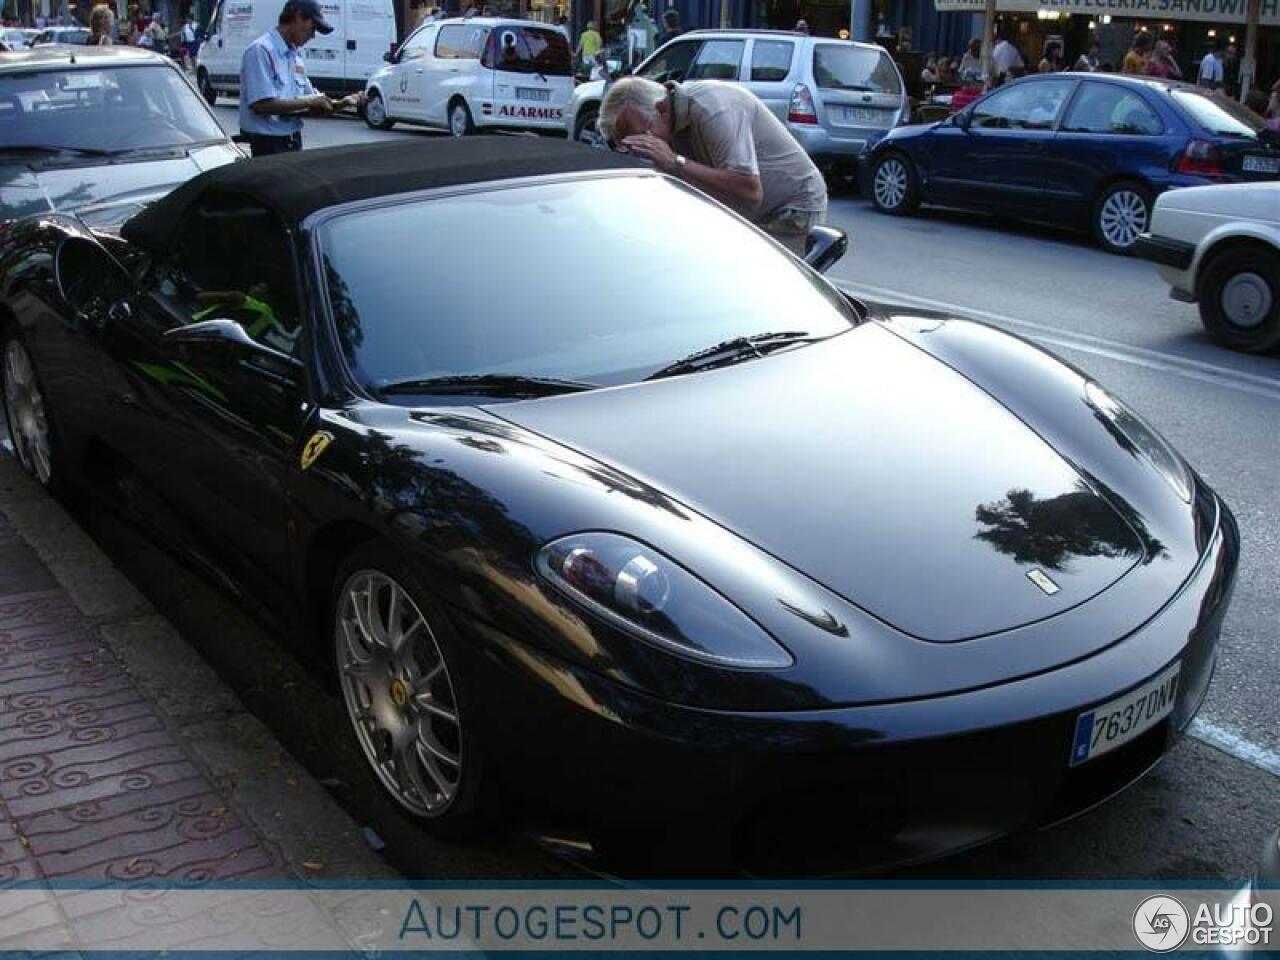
column 1211, row 73
column 1006, row 61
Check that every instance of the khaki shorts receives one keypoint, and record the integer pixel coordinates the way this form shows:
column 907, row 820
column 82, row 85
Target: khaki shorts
column 790, row 227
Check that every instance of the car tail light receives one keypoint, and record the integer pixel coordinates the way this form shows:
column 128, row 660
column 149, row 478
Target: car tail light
column 801, row 109
column 1201, row 159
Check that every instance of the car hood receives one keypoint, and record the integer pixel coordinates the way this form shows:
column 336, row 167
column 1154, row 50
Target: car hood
column 873, row 469
column 28, row 188
column 1233, row 201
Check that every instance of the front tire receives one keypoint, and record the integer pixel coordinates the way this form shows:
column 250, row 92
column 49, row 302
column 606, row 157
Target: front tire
column 206, row 88
column 375, row 112
column 584, row 126
column 1123, row 211
column 406, row 699
column 1240, row 299
column 460, row 122
column 27, row 414
column 894, row 185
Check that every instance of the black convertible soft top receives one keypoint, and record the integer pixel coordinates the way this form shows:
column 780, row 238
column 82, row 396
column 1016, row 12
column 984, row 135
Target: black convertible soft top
column 296, row 185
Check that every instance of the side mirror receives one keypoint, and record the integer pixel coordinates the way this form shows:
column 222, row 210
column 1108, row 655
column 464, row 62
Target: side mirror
column 226, row 335
column 92, row 282
column 962, row 119
column 388, row 57
column 824, row 247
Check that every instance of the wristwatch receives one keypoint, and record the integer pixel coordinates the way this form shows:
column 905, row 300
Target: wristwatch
column 681, row 161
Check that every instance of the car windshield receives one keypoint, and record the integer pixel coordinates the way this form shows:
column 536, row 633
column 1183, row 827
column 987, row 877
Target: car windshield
column 839, row 66
column 601, row 281
column 517, row 49
column 1219, row 115
column 111, row 108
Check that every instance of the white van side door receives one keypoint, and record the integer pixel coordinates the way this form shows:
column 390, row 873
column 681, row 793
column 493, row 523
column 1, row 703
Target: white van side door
column 454, row 70
column 369, row 29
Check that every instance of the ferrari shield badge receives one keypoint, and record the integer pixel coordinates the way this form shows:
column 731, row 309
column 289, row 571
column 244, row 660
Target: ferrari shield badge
column 1041, row 580
column 315, row 446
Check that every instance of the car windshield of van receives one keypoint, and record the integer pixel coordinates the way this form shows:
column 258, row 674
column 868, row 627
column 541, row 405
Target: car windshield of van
column 838, row 66
column 662, row 275
column 114, row 110
column 1219, row 115
column 517, row 49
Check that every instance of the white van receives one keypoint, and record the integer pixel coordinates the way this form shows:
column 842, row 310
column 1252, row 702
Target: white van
column 462, row 74
column 364, row 32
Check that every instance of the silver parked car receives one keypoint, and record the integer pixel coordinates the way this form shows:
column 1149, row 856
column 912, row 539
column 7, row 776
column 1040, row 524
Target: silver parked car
column 837, row 97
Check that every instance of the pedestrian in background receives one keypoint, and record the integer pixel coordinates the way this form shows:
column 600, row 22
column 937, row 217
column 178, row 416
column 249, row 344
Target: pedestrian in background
column 1088, row 61
column 275, row 92
column 1006, row 61
column 100, row 21
column 1051, row 59
column 722, row 139
column 1162, row 63
column 1138, row 59
column 972, row 59
column 1210, row 75
column 970, row 88
column 802, row 26
column 589, row 45
column 670, row 26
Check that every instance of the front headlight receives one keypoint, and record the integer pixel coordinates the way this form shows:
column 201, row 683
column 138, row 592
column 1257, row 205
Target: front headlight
column 1146, row 442
column 653, row 598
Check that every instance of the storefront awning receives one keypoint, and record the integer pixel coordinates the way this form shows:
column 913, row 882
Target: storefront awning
column 1211, row 11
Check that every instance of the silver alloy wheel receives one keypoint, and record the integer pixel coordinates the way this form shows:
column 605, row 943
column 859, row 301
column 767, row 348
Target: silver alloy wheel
column 1246, row 300
column 890, row 185
column 24, row 408
column 458, row 120
column 398, row 693
column 375, row 111
column 1123, row 217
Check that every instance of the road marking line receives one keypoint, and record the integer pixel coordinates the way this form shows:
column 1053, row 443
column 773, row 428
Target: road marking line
column 1253, row 383
column 1237, row 746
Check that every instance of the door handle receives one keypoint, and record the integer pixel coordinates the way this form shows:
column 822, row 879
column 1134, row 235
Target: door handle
column 418, row 70
column 351, row 44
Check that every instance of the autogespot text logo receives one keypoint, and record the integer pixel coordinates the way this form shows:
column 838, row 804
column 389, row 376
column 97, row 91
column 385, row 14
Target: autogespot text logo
column 1160, row 923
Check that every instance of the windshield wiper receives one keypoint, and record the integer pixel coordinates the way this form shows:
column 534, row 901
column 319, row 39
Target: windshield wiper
column 493, row 384
column 55, row 148
column 734, row 350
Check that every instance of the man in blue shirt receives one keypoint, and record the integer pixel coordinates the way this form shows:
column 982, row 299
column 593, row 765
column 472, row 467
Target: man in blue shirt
column 275, row 93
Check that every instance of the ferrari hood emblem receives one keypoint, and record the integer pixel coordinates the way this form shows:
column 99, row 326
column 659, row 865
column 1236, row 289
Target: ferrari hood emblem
column 1041, row 580
column 314, row 447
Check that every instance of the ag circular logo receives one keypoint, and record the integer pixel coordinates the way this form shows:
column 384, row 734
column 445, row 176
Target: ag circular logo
column 1161, row 923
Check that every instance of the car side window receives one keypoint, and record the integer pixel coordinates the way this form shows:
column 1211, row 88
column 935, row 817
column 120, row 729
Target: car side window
column 461, row 41
column 718, row 60
column 1023, row 106
column 771, row 60
column 233, row 261
column 417, row 46
column 672, row 62
column 1109, row 108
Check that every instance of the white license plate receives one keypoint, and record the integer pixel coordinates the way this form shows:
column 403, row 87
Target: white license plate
column 862, row 115
column 1113, row 724
column 1254, row 164
column 533, row 93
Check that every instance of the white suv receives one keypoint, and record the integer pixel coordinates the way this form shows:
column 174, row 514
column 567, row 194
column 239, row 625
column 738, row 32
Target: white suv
column 837, row 97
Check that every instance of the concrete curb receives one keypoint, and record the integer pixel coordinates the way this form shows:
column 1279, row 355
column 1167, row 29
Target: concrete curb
column 310, row 835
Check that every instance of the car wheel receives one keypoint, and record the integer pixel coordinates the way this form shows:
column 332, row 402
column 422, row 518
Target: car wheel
column 1240, row 299
column 375, row 112
column 460, row 119
column 404, row 694
column 27, row 414
column 1122, row 212
column 206, row 88
column 894, row 185
column 584, row 127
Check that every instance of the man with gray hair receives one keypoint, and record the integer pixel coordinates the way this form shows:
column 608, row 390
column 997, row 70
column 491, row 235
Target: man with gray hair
column 722, row 139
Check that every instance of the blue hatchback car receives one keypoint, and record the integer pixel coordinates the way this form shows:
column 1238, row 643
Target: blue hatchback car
column 1081, row 149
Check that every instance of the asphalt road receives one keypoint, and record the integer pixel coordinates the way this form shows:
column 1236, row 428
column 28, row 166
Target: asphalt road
column 1204, row 813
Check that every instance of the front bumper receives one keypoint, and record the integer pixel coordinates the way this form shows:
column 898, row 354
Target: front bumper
column 868, row 786
column 1165, row 251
